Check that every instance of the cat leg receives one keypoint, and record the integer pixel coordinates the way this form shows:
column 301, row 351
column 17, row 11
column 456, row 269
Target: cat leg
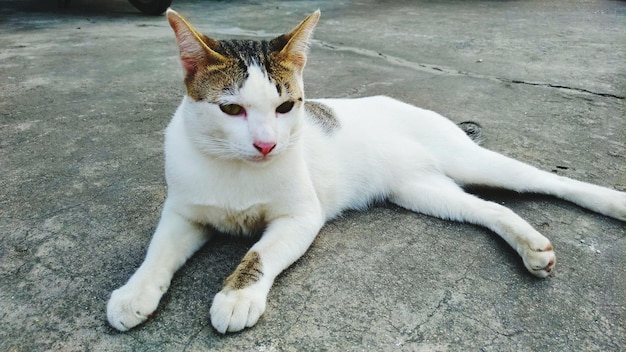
column 242, row 300
column 439, row 196
column 479, row 166
column 174, row 241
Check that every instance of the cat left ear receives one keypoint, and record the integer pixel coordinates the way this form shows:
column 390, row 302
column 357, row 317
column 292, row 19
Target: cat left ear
column 294, row 52
column 194, row 47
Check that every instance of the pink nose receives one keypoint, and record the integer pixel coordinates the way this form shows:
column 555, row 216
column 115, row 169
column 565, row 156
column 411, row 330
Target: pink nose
column 264, row 148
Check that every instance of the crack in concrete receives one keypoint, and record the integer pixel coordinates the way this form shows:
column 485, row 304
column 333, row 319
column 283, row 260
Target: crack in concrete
column 559, row 86
column 194, row 336
column 447, row 296
column 305, row 308
column 454, row 72
column 415, row 335
column 492, row 329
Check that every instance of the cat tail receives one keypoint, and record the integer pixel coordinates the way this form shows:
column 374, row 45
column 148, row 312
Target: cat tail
column 473, row 130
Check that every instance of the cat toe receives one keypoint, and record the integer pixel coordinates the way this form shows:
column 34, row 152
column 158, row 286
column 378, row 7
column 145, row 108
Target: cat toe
column 234, row 310
column 129, row 307
column 540, row 262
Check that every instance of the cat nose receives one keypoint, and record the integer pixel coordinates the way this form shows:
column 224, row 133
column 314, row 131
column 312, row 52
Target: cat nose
column 264, row 148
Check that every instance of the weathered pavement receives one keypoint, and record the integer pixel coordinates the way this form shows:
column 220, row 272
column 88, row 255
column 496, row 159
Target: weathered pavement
column 86, row 92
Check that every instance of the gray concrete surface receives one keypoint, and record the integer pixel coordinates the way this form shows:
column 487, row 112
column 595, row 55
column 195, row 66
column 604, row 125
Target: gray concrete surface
column 86, row 92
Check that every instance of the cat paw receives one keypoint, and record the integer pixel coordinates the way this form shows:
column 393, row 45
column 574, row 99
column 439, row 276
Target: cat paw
column 130, row 305
column 234, row 310
column 539, row 258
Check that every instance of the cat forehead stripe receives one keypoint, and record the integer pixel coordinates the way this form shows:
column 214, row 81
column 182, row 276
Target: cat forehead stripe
column 248, row 52
column 263, row 54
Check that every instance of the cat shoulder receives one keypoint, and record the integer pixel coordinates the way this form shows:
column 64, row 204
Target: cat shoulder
column 322, row 115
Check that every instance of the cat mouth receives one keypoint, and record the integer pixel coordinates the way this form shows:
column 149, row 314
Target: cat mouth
column 260, row 159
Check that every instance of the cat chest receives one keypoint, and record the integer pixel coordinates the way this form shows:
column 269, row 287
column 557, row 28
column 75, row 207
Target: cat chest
column 251, row 220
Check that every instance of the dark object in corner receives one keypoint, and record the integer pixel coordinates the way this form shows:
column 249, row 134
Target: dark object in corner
column 151, row 7
column 473, row 130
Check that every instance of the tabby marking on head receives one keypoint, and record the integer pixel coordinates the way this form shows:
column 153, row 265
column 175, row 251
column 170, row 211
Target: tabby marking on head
column 214, row 68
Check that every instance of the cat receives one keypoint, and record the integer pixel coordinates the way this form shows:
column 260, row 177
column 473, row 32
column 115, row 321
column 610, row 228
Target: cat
column 246, row 153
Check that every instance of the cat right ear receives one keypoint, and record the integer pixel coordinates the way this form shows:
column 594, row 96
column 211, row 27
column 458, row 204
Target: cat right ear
column 296, row 42
column 194, row 51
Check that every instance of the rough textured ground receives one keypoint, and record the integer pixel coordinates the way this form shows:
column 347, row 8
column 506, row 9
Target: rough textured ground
column 86, row 92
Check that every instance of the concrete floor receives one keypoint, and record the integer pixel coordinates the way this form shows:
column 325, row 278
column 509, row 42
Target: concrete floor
column 86, row 92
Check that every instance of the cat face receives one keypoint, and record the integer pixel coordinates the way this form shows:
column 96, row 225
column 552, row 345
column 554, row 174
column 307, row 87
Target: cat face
column 244, row 98
column 250, row 121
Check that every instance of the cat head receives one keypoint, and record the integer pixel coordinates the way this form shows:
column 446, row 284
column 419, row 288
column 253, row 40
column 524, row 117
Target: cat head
column 245, row 98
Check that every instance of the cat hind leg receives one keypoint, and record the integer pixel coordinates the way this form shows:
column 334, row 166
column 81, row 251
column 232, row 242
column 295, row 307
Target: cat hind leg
column 483, row 167
column 439, row 196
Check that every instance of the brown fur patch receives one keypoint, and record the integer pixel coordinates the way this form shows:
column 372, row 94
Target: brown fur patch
column 211, row 82
column 247, row 273
column 322, row 115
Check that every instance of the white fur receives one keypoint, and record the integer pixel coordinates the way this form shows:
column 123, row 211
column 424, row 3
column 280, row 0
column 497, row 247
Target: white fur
column 382, row 149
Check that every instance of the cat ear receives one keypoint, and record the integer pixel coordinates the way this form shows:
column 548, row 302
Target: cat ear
column 194, row 47
column 294, row 52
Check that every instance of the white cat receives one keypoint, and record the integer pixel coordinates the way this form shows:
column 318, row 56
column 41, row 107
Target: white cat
column 246, row 153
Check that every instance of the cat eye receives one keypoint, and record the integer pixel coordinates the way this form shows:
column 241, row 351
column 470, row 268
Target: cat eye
column 285, row 107
column 231, row 109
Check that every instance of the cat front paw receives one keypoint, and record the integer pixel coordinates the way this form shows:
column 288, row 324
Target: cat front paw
column 131, row 305
column 539, row 258
column 234, row 310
